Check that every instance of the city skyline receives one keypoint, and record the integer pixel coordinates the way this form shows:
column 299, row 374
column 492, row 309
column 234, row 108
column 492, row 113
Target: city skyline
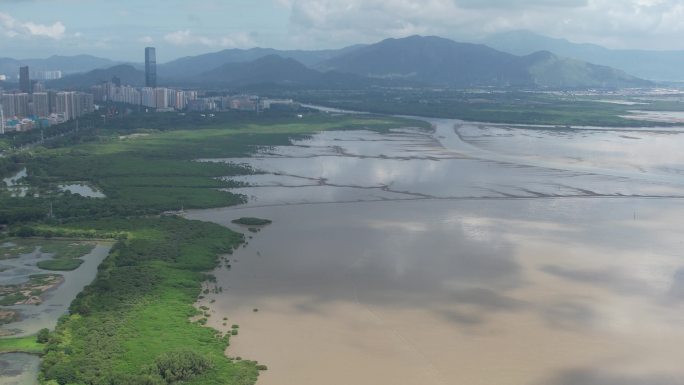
column 181, row 29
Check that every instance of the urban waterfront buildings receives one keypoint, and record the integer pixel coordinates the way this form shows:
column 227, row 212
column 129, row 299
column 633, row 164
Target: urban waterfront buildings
column 20, row 109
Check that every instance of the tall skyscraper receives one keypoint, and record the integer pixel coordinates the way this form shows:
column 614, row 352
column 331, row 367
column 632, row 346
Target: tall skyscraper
column 24, row 80
column 150, row 67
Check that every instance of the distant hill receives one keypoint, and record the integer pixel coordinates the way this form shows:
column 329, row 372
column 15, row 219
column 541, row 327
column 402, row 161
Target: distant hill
column 653, row 65
column 66, row 64
column 128, row 74
column 442, row 62
column 411, row 61
column 276, row 71
column 549, row 70
column 195, row 65
column 432, row 60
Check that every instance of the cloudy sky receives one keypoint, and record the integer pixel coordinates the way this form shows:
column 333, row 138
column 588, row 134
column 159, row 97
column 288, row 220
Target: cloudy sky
column 119, row 29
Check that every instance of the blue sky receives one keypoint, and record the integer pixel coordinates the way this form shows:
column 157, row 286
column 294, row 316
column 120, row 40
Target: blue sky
column 119, row 29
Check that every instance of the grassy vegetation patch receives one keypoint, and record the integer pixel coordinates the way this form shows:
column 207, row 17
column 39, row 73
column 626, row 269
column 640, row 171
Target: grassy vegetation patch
column 60, row 264
column 21, row 345
column 15, row 247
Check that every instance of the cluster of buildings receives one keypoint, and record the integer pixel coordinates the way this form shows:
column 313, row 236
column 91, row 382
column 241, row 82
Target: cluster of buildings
column 168, row 99
column 32, row 106
column 38, row 75
column 150, row 96
column 160, row 98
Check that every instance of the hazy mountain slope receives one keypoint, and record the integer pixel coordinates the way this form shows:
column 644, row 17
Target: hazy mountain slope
column 195, row 65
column 275, row 70
column 127, row 73
column 432, row 60
column 66, row 64
column 443, row 62
column 549, row 70
column 654, row 65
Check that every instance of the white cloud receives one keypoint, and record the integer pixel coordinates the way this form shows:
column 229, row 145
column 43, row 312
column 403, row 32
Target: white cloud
column 146, row 39
column 186, row 37
column 11, row 27
column 624, row 23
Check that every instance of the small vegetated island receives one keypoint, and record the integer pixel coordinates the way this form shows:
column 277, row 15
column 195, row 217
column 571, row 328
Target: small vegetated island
column 133, row 323
column 66, row 255
column 249, row 221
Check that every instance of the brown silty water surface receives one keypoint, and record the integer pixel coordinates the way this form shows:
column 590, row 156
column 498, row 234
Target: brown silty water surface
column 477, row 254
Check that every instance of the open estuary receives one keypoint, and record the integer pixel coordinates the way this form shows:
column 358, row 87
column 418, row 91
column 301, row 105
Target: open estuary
column 475, row 254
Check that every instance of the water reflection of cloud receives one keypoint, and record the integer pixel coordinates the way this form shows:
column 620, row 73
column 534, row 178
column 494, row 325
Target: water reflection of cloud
column 569, row 315
column 609, row 278
column 654, row 152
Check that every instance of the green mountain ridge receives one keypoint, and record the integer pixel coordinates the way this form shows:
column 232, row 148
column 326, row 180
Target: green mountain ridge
column 647, row 64
column 442, row 62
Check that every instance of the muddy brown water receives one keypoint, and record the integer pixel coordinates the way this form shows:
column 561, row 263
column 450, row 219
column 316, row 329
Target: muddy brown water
column 476, row 254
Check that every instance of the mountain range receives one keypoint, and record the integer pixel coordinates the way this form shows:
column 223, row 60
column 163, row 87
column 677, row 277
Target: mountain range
column 411, row 61
column 66, row 64
column 647, row 64
column 128, row 75
column 437, row 61
column 196, row 65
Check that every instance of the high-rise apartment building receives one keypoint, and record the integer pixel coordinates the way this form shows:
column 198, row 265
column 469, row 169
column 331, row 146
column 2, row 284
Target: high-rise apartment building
column 41, row 105
column 150, row 67
column 161, row 98
column 148, row 97
column 15, row 105
column 24, row 80
column 74, row 104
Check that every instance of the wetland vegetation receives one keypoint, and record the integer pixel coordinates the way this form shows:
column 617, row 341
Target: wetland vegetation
column 132, row 324
column 489, row 105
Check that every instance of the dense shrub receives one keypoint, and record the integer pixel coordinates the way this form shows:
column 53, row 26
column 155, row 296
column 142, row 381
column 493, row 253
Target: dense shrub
column 43, row 336
column 181, row 365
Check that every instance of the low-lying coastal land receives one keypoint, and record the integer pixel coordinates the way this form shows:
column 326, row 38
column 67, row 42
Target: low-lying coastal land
column 176, row 290
column 137, row 312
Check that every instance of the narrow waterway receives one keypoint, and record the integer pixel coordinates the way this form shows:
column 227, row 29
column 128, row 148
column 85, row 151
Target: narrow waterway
column 22, row 369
